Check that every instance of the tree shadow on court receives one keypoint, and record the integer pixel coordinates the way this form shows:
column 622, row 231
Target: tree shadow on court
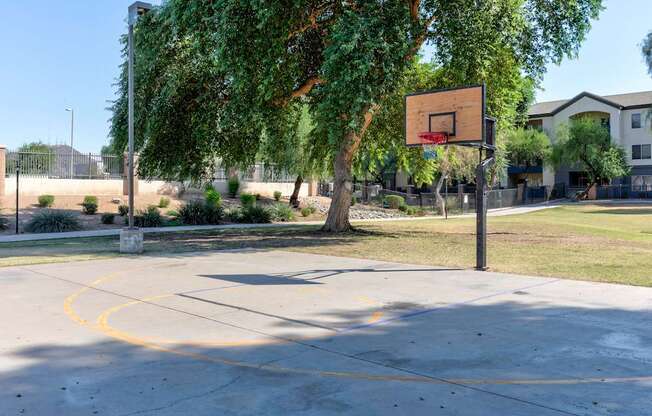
column 474, row 357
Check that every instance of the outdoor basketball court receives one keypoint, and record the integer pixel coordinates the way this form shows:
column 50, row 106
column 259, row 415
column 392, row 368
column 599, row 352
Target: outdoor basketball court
column 273, row 332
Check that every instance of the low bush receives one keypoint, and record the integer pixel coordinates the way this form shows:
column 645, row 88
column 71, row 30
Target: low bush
column 306, row 211
column 233, row 185
column 164, row 202
column 150, row 217
column 200, row 213
column 394, row 201
column 233, row 215
column 247, row 200
column 403, row 208
column 123, row 210
column 108, row 218
column 254, row 214
column 50, row 221
column 89, row 206
column 353, row 200
column 282, row 212
column 312, row 209
column 213, row 197
column 45, row 201
column 172, row 213
column 277, row 195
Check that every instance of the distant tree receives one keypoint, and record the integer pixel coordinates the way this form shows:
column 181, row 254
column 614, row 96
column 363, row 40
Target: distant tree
column 35, row 147
column 646, row 48
column 527, row 147
column 586, row 141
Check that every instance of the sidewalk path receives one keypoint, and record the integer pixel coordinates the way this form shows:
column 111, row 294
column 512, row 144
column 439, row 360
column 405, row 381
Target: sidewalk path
column 114, row 232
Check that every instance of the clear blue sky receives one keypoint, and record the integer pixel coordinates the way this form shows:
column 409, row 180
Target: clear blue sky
column 57, row 54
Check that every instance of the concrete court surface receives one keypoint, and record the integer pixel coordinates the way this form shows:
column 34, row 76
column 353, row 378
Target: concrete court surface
column 277, row 333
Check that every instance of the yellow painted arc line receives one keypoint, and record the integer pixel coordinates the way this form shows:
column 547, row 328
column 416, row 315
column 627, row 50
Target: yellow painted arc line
column 102, row 326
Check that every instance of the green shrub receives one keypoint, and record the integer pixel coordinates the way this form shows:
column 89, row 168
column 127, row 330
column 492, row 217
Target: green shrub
column 277, row 195
column 305, row 211
column 233, row 185
column 89, row 206
column 254, row 214
column 50, row 221
column 247, row 200
column 123, row 210
column 45, row 201
column 282, row 212
column 164, row 202
column 233, row 215
column 150, row 217
column 257, row 196
column 394, row 201
column 403, row 208
column 4, row 223
column 312, row 209
column 213, row 197
column 172, row 213
column 108, row 218
column 410, row 210
column 353, row 200
column 200, row 213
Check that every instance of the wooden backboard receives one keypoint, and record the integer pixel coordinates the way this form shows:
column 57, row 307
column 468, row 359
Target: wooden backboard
column 460, row 112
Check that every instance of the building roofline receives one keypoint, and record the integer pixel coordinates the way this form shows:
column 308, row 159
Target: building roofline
column 592, row 96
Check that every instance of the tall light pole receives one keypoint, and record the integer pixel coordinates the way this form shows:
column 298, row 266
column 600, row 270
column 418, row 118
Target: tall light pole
column 72, row 149
column 131, row 241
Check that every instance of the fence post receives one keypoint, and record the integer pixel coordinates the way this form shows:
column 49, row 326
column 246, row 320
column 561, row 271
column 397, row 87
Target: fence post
column 3, row 168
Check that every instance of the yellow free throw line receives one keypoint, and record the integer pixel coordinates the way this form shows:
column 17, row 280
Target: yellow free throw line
column 101, row 324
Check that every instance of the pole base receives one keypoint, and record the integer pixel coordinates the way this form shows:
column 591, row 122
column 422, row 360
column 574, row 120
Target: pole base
column 131, row 241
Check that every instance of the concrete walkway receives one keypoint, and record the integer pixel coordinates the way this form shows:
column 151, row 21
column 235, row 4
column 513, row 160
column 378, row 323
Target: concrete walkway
column 249, row 332
column 115, row 232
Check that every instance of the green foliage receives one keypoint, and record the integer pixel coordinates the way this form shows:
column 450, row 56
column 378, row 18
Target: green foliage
column 586, row 141
column 306, row 211
column 255, row 214
column 394, row 201
column 354, row 200
column 403, row 208
column 213, row 197
column 410, row 210
column 108, row 218
column 277, row 195
column 646, row 49
column 282, row 212
column 527, row 147
column 123, row 210
column 334, row 64
column 45, row 201
column 233, row 185
column 164, row 202
column 172, row 213
column 247, row 199
column 312, row 209
column 233, row 215
column 200, row 213
column 150, row 217
column 52, row 221
column 89, row 206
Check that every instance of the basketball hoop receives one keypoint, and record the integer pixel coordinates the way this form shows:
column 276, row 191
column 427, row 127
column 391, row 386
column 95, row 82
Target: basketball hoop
column 430, row 140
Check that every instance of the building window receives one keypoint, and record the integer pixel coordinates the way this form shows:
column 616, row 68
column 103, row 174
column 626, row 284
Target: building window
column 535, row 124
column 641, row 183
column 636, row 120
column 641, row 151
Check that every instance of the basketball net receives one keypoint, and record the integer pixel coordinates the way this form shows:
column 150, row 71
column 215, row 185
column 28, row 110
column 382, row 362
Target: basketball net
column 430, row 140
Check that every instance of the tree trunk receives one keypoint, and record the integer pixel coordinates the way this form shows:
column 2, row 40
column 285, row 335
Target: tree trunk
column 294, row 199
column 440, row 200
column 338, row 214
column 585, row 193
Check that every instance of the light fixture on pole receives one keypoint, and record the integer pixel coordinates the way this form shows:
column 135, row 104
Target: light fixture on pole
column 131, row 239
column 72, row 149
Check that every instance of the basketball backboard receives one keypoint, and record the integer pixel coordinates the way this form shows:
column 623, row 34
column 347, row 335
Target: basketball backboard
column 457, row 112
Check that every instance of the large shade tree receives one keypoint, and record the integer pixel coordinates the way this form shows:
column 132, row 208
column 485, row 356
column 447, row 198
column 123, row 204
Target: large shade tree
column 213, row 73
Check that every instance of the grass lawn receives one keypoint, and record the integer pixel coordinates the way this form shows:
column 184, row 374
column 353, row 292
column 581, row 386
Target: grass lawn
column 587, row 242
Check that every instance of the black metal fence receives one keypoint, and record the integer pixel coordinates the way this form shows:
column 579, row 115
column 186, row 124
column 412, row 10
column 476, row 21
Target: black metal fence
column 64, row 165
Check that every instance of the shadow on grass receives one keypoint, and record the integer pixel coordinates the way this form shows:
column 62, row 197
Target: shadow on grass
column 633, row 211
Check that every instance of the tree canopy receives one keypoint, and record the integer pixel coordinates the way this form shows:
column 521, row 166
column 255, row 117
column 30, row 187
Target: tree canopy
column 211, row 75
column 587, row 141
column 527, row 147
